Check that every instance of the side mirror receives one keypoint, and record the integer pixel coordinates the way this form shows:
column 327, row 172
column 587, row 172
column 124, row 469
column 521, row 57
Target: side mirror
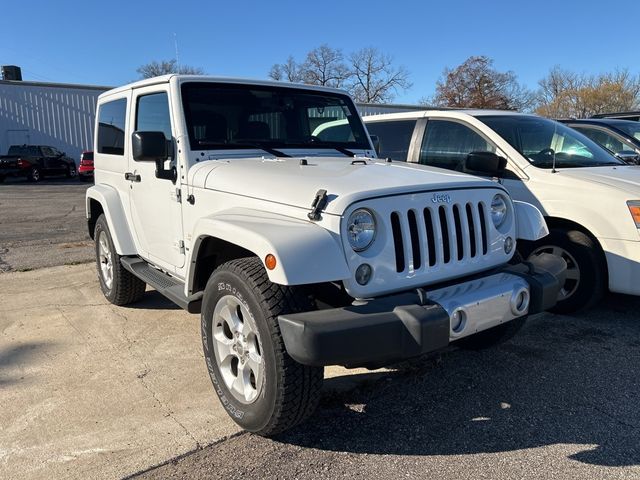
column 149, row 146
column 484, row 163
column 153, row 147
column 629, row 156
column 376, row 143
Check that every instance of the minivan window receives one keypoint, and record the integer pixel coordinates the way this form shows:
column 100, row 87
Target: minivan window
column 446, row 144
column 111, row 120
column 395, row 137
column 546, row 143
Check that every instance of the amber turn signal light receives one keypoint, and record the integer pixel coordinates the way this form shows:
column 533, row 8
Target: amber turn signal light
column 634, row 208
column 270, row 261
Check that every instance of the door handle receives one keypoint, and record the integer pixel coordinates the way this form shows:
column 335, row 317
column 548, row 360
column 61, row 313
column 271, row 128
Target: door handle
column 132, row 177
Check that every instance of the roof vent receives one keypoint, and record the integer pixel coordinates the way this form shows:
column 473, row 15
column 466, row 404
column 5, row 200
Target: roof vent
column 11, row 72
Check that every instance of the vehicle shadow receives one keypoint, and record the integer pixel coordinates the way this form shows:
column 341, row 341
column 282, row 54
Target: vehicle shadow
column 153, row 300
column 562, row 380
column 13, row 356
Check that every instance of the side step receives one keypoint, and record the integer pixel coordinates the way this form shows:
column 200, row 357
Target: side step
column 170, row 287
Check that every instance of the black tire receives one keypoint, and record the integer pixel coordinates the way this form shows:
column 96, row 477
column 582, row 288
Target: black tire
column 35, row 174
column 289, row 392
column 71, row 171
column 2, row 177
column 125, row 287
column 583, row 255
column 493, row 336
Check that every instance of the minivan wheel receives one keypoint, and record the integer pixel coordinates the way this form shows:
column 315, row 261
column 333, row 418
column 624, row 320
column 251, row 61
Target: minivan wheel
column 118, row 285
column 261, row 387
column 586, row 268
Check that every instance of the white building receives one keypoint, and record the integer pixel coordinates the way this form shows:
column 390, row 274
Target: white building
column 55, row 114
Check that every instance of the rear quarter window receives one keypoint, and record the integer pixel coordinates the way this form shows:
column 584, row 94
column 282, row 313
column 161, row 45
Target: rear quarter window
column 111, row 121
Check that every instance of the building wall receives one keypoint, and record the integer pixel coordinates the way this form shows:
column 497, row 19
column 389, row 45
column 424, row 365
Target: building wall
column 58, row 115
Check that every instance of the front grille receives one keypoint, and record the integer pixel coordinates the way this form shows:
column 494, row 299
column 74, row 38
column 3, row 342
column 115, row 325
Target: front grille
column 439, row 235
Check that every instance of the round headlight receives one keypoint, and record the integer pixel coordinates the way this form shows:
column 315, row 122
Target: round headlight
column 498, row 210
column 361, row 229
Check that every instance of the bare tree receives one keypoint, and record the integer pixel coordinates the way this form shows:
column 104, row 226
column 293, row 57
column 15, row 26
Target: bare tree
column 476, row 84
column 325, row 66
column 565, row 94
column 286, row 72
column 374, row 77
column 163, row 67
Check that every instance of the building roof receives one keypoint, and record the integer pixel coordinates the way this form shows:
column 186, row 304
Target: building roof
column 22, row 83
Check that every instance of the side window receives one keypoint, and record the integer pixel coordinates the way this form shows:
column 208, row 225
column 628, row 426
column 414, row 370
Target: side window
column 446, row 144
column 111, row 119
column 48, row 152
column 152, row 114
column 32, row 151
column 395, row 138
column 603, row 138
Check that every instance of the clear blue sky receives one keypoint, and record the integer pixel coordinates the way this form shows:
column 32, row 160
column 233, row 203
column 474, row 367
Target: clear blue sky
column 104, row 42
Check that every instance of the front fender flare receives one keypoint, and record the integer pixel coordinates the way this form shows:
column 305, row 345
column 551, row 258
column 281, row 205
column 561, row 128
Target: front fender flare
column 305, row 252
column 530, row 223
column 111, row 203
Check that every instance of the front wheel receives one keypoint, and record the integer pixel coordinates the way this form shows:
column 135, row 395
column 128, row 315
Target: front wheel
column 34, row 175
column 262, row 388
column 71, row 171
column 585, row 277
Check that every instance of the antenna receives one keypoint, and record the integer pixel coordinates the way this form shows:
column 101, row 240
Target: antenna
column 175, row 43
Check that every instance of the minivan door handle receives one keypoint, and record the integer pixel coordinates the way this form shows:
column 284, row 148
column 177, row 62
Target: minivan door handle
column 132, row 177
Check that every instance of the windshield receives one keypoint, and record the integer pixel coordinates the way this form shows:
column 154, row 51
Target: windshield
column 630, row 128
column 539, row 140
column 233, row 116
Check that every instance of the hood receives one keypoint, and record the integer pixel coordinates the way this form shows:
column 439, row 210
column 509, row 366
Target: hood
column 346, row 179
column 622, row 177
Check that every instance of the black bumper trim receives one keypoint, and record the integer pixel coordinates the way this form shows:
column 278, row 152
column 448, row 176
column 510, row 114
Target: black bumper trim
column 396, row 327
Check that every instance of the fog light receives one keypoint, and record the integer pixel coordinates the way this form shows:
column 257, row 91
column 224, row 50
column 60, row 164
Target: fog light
column 508, row 245
column 458, row 320
column 363, row 274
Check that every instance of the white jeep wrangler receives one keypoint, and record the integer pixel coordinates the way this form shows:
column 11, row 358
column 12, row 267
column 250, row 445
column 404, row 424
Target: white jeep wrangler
column 298, row 247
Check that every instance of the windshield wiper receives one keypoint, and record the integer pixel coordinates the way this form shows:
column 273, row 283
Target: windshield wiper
column 342, row 150
column 229, row 146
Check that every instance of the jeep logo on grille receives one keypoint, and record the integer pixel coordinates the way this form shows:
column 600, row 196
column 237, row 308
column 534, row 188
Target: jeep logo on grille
column 441, row 198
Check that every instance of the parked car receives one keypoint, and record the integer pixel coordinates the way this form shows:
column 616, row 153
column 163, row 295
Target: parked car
column 299, row 250
column 85, row 170
column 622, row 137
column 34, row 162
column 590, row 198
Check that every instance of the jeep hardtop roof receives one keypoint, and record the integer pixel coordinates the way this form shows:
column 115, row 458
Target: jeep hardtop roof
column 208, row 78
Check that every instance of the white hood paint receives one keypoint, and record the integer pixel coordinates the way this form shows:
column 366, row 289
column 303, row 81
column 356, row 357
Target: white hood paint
column 623, row 177
column 287, row 182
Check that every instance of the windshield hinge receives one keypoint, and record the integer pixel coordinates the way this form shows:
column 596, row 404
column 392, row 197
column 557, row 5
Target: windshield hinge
column 318, row 204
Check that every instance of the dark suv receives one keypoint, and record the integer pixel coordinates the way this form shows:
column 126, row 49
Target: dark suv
column 622, row 137
column 35, row 162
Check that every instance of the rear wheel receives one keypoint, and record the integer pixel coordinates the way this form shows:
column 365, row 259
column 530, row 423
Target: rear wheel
column 585, row 278
column 262, row 388
column 118, row 285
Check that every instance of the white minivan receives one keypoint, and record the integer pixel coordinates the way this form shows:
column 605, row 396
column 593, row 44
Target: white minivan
column 590, row 199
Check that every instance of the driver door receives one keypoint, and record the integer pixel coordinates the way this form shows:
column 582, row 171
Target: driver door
column 154, row 203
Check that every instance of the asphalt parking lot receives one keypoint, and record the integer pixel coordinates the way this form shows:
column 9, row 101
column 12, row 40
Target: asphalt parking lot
column 89, row 390
column 43, row 224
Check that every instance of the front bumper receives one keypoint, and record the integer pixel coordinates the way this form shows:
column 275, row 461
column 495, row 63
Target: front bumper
column 409, row 324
